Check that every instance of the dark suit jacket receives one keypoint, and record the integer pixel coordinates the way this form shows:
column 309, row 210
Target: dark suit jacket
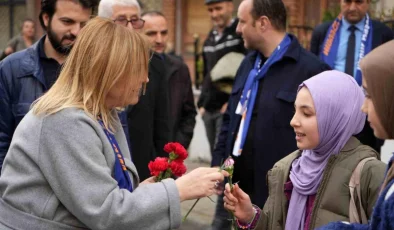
column 148, row 121
column 380, row 34
column 182, row 109
column 273, row 138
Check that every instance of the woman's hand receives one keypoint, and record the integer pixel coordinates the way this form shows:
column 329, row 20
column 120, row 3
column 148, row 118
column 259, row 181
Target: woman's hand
column 239, row 203
column 201, row 182
column 150, row 180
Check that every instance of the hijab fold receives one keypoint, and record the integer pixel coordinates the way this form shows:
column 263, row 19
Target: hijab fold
column 337, row 99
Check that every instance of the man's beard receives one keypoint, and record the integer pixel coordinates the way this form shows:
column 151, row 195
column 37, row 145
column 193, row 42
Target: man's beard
column 56, row 44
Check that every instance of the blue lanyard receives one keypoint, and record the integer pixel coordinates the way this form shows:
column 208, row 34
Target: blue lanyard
column 120, row 171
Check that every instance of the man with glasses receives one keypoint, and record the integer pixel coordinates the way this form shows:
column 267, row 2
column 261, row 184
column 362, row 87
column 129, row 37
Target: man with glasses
column 148, row 121
column 343, row 42
column 26, row 75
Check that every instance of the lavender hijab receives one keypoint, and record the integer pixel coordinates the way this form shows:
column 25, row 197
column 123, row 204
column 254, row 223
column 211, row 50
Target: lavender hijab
column 337, row 99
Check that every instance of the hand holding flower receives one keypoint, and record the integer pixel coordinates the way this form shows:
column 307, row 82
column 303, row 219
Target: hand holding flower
column 227, row 170
column 199, row 183
column 239, row 203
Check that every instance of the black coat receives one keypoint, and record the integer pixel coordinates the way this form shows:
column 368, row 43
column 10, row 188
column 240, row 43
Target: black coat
column 182, row 109
column 380, row 34
column 273, row 138
column 148, row 121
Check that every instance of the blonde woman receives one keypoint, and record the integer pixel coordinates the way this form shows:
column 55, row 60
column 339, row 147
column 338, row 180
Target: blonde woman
column 68, row 166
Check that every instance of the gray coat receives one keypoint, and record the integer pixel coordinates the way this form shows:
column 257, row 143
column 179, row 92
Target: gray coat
column 58, row 175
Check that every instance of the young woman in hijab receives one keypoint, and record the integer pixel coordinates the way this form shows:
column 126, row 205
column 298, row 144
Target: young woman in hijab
column 309, row 188
column 69, row 166
column 378, row 83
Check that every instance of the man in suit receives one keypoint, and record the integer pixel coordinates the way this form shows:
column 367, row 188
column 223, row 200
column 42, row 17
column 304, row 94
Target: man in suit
column 182, row 109
column 256, row 127
column 148, row 124
column 345, row 41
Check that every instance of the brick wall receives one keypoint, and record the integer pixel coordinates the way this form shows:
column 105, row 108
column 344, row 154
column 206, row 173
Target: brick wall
column 168, row 9
column 149, row 5
column 293, row 11
column 333, row 4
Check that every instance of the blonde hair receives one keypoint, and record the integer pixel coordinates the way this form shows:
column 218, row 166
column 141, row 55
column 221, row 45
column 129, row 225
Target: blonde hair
column 104, row 53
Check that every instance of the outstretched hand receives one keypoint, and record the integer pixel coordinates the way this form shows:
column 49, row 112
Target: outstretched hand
column 239, row 203
column 200, row 182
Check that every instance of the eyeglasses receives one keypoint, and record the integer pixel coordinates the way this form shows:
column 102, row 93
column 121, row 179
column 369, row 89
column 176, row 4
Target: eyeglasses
column 137, row 23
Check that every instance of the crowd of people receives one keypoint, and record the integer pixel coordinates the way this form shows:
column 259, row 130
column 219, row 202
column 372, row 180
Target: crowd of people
column 93, row 101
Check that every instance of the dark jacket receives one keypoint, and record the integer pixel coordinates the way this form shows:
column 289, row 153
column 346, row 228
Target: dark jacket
column 148, row 120
column 274, row 138
column 182, row 109
column 212, row 99
column 380, row 34
column 21, row 82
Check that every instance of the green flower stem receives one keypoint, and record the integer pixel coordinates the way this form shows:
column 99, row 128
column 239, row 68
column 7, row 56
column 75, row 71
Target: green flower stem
column 233, row 222
column 159, row 177
column 230, row 181
column 167, row 174
column 222, row 167
column 184, row 218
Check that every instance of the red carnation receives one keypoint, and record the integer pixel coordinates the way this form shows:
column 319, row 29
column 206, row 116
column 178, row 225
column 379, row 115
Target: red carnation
column 159, row 165
column 177, row 168
column 177, row 151
column 170, row 147
column 181, row 152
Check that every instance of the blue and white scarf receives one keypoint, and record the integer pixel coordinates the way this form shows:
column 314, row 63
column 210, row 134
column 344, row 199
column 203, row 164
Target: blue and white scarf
column 249, row 93
column 331, row 44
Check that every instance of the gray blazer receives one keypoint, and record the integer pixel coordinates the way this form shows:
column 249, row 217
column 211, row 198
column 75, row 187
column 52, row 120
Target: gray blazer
column 58, row 175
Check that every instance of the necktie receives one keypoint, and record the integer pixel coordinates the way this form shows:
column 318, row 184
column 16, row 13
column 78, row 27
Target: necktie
column 351, row 46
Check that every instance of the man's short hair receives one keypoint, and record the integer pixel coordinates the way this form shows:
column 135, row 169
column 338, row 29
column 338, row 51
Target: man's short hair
column 153, row 13
column 207, row 2
column 27, row 20
column 275, row 10
column 105, row 7
column 49, row 7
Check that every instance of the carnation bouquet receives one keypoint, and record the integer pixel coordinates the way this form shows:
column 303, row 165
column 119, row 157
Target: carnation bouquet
column 173, row 165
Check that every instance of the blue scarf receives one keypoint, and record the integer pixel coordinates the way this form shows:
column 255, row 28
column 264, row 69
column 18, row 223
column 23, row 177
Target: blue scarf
column 331, row 44
column 120, row 171
column 249, row 93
